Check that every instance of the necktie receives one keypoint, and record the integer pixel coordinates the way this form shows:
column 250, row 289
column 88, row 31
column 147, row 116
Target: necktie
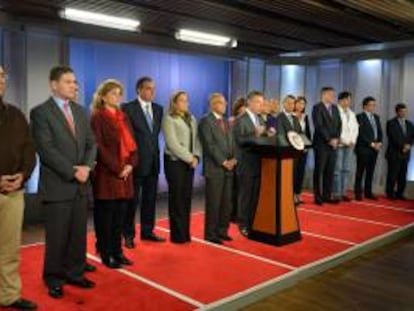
column 374, row 126
column 148, row 116
column 290, row 119
column 403, row 126
column 257, row 120
column 69, row 118
column 222, row 125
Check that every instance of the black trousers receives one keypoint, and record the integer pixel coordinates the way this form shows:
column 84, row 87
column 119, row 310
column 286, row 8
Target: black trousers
column 65, row 226
column 234, row 198
column 396, row 176
column 180, row 178
column 218, row 206
column 108, row 219
column 145, row 197
column 325, row 159
column 299, row 172
column 365, row 167
column 248, row 196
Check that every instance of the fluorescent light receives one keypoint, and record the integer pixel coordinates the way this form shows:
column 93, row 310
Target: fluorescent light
column 205, row 38
column 99, row 19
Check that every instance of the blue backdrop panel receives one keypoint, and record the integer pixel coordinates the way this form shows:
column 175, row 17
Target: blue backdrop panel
column 95, row 61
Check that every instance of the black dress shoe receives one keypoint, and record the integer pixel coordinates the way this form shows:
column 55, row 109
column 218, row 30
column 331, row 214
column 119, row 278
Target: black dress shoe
column 332, row 201
column 401, row 197
column 358, row 197
column 225, row 237
column 346, row 199
column 244, row 231
column 23, row 304
column 215, row 241
column 318, row 201
column 129, row 243
column 89, row 268
column 124, row 261
column 82, row 283
column 152, row 237
column 56, row 292
column 371, row 197
column 111, row 262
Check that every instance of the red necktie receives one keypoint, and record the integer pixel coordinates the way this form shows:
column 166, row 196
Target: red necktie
column 222, row 125
column 68, row 116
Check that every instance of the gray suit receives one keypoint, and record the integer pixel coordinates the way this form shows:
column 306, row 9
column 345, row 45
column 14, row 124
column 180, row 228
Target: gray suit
column 218, row 146
column 64, row 198
column 248, row 171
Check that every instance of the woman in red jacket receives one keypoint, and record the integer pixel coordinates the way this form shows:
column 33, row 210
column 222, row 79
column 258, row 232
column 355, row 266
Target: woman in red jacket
column 112, row 178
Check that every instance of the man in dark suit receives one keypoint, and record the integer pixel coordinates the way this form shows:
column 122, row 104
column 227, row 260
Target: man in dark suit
column 368, row 144
column 218, row 168
column 286, row 120
column 145, row 117
column 328, row 125
column 400, row 134
column 67, row 151
column 248, row 169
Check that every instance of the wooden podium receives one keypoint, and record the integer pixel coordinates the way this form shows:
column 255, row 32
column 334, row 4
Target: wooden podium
column 275, row 219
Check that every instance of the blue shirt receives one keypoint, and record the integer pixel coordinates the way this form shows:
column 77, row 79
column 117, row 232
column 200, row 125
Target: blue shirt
column 60, row 103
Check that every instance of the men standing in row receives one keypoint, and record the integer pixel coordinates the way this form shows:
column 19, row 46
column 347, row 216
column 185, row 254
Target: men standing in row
column 368, row 145
column 400, row 134
column 349, row 134
column 67, row 151
column 248, row 126
column 328, row 125
column 17, row 160
column 145, row 117
column 218, row 168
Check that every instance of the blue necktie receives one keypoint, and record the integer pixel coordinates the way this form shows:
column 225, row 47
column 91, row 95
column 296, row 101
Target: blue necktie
column 148, row 117
column 374, row 125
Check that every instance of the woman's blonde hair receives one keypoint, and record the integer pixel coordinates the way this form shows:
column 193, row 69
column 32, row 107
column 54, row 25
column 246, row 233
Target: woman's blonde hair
column 172, row 108
column 104, row 88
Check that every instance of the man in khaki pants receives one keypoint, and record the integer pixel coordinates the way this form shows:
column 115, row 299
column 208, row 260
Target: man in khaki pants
column 17, row 160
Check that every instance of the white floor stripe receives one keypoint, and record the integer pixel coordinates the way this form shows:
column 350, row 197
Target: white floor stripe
column 324, row 237
column 394, row 208
column 154, row 284
column 306, row 210
column 390, row 207
column 236, row 251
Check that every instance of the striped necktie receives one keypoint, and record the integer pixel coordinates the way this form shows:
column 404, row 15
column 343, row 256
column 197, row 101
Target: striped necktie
column 69, row 118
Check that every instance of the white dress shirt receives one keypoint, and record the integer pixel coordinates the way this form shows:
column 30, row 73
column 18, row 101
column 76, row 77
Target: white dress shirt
column 350, row 127
column 146, row 106
column 254, row 117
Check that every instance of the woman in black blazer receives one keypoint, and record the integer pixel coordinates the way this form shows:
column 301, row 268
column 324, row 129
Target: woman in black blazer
column 300, row 167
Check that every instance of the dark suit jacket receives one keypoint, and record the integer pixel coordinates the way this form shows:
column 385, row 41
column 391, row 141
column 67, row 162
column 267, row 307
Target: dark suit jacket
column 397, row 139
column 284, row 125
column 59, row 150
column 248, row 162
column 147, row 140
column 218, row 146
column 106, row 182
column 366, row 133
column 327, row 126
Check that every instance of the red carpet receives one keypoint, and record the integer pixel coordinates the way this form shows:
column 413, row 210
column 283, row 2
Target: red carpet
column 185, row 277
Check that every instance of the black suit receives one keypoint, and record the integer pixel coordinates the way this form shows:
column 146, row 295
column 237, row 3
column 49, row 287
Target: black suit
column 218, row 146
column 301, row 160
column 148, row 168
column 397, row 159
column 64, row 198
column 248, row 171
column 366, row 155
column 328, row 126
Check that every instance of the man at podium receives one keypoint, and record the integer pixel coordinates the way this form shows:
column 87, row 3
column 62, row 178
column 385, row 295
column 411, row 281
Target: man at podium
column 249, row 125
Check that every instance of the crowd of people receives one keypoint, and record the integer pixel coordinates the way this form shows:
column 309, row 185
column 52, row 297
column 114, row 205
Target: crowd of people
column 116, row 153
